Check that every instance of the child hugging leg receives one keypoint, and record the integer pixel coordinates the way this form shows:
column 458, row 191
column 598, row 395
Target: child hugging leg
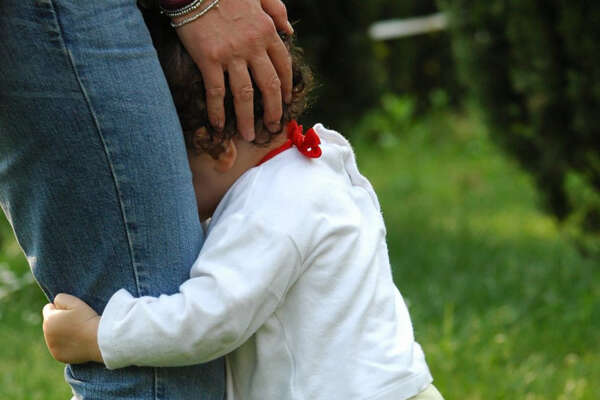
column 293, row 283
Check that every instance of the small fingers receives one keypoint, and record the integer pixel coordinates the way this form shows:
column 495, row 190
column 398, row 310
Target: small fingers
column 243, row 96
column 47, row 310
column 64, row 301
column 269, row 84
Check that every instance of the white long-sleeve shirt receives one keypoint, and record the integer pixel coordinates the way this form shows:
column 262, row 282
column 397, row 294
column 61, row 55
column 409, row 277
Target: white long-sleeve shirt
column 293, row 283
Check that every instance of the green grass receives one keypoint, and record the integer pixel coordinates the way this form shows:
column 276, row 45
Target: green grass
column 27, row 372
column 503, row 305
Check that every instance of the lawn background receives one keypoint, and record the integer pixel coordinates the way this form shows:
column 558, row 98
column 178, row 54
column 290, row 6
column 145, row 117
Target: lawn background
column 503, row 305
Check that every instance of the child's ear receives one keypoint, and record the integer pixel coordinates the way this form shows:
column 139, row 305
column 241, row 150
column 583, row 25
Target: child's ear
column 228, row 157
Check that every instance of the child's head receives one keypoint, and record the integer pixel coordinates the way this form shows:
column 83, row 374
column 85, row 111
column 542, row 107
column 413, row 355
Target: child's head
column 187, row 89
column 217, row 159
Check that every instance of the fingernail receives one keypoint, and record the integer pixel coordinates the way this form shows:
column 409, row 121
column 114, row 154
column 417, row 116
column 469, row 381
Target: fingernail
column 290, row 28
column 274, row 127
column 218, row 125
column 288, row 98
column 249, row 135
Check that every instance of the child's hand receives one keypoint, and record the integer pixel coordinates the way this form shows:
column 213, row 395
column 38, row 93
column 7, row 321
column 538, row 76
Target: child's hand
column 71, row 330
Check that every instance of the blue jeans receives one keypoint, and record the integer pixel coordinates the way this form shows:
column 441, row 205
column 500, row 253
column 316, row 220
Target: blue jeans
column 93, row 172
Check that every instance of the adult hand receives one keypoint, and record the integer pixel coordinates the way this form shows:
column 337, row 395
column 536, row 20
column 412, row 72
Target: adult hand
column 71, row 330
column 234, row 37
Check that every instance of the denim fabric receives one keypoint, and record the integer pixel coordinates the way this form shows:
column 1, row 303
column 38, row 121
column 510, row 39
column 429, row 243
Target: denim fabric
column 93, row 172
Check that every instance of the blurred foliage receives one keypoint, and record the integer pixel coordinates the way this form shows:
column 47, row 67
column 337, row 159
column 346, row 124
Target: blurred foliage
column 503, row 304
column 396, row 115
column 27, row 372
column 534, row 68
column 354, row 70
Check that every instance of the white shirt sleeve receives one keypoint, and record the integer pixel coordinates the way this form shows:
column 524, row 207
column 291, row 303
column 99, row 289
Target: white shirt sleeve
column 237, row 282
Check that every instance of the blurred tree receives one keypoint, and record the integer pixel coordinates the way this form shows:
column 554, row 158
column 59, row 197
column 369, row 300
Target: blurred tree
column 354, row 71
column 534, row 67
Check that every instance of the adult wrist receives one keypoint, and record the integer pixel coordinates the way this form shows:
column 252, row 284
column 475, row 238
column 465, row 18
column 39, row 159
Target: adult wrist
column 175, row 5
column 191, row 12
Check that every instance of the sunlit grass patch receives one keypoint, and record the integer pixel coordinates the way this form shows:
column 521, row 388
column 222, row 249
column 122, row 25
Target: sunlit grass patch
column 514, row 223
column 502, row 303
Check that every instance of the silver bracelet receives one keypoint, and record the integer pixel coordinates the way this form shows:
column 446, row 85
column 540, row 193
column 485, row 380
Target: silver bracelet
column 185, row 21
column 183, row 10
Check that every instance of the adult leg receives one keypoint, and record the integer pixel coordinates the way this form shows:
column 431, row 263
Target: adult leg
column 93, row 171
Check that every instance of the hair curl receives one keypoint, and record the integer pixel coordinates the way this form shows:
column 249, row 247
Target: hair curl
column 187, row 88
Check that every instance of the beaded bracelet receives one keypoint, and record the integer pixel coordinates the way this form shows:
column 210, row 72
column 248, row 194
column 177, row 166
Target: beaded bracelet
column 183, row 10
column 185, row 21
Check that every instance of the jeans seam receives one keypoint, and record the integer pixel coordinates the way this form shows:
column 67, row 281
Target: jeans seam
column 96, row 124
column 155, row 376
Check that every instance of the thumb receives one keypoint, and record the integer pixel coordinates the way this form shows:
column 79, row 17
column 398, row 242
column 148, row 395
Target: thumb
column 64, row 301
column 47, row 310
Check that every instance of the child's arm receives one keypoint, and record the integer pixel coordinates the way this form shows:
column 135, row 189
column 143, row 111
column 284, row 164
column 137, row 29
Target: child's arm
column 236, row 284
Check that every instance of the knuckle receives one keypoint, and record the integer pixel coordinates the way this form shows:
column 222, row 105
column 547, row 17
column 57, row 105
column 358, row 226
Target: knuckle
column 253, row 36
column 215, row 92
column 245, row 93
column 274, row 84
column 266, row 26
column 214, row 53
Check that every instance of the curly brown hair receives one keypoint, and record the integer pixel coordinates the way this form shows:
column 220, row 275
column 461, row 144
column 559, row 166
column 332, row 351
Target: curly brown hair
column 187, row 89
